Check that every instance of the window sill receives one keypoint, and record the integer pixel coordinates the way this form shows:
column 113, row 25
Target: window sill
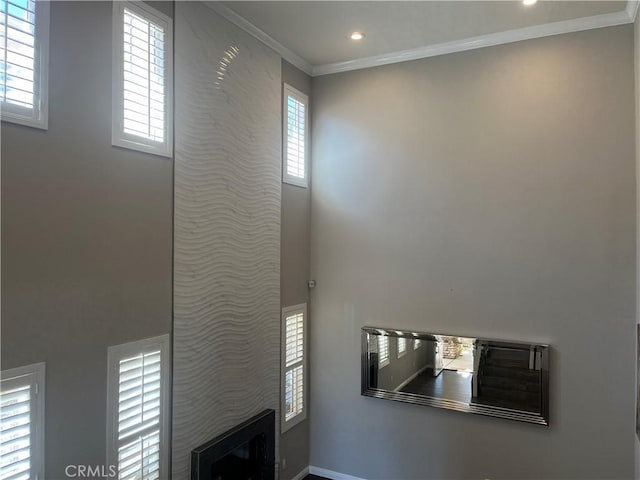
column 163, row 150
column 27, row 121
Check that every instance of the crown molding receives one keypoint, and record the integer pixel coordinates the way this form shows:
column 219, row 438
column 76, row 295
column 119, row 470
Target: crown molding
column 263, row 37
column 489, row 40
column 628, row 15
column 632, row 9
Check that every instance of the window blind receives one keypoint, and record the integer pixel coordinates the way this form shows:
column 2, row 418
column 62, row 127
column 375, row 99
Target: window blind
column 295, row 115
column 295, row 338
column 139, row 396
column 402, row 346
column 383, row 349
column 22, row 423
column 18, row 57
column 15, row 433
column 145, row 99
column 296, row 119
column 294, row 392
column 294, row 365
column 140, row 459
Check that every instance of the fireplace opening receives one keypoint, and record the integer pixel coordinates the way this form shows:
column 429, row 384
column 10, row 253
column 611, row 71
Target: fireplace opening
column 246, row 452
column 243, row 462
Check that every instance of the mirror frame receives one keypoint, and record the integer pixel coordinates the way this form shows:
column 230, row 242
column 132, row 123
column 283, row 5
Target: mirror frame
column 541, row 418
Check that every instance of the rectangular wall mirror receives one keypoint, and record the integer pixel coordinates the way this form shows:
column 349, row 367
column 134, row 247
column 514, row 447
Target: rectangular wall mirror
column 474, row 375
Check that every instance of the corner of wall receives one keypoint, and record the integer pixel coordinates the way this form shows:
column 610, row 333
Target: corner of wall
column 636, row 56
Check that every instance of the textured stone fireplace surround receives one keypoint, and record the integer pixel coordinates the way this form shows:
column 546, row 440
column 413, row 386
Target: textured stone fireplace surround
column 227, row 229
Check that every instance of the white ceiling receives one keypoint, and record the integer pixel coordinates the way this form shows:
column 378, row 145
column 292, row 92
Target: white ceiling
column 318, row 32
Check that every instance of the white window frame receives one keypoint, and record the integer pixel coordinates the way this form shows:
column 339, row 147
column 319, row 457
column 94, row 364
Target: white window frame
column 34, row 376
column 288, row 90
column 402, row 351
column 118, row 137
column 38, row 116
column 383, row 362
column 287, row 312
column 114, row 355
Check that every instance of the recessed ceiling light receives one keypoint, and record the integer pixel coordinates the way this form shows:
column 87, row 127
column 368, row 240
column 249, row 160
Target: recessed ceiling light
column 357, row 36
column 529, row 2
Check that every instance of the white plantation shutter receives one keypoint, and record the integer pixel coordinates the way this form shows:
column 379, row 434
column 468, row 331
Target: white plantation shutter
column 17, row 27
column 21, row 423
column 23, row 61
column 383, row 350
column 139, row 394
column 138, row 382
column 294, row 401
column 295, row 338
column 142, row 78
column 295, row 137
column 140, row 459
column 15, row 425
column 402, row 346
column 294, row 365
column 144, row 88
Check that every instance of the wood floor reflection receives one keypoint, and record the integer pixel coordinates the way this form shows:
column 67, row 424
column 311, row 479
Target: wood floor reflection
column 522, row 393
column 450, row 384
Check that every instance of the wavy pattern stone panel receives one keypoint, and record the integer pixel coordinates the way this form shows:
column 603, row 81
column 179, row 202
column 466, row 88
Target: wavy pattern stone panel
column 226, row 352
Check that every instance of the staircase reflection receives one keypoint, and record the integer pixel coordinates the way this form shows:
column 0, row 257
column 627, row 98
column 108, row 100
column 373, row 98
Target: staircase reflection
column 508, row 378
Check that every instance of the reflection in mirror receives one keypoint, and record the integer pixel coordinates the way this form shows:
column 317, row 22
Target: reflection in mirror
column 489, row 377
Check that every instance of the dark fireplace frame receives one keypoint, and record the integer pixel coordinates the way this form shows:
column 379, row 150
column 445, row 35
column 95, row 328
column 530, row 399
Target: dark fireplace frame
column 204, row 457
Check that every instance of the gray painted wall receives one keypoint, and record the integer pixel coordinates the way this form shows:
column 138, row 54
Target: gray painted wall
column 295, row 243
column 86, row 238
column 488, row 193
column 227, row 229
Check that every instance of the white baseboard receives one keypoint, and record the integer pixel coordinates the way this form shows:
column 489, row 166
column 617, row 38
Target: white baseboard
column 302, row 474
column 408, row 380
column 323, row 472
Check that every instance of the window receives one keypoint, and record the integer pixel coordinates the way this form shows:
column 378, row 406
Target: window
column 142, row 78
column 296, row 116
column 402, row 346
column 138, row 407
column 22, row 423
column 383, row 350
column 416, row 343
column 294, row 384
column 24, row 59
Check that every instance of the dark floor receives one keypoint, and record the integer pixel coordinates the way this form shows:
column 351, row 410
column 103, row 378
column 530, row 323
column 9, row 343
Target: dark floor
column 315, row 477
column 449, row 384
